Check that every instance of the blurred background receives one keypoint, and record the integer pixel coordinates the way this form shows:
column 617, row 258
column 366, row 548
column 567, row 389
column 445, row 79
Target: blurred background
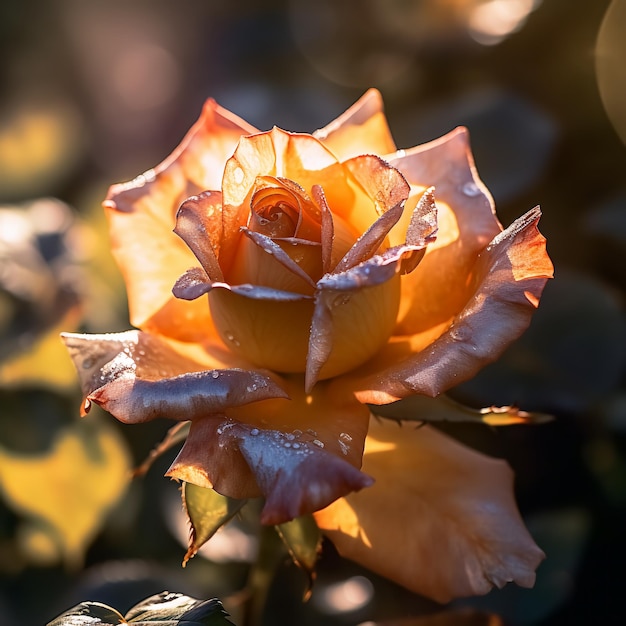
column 96, row 91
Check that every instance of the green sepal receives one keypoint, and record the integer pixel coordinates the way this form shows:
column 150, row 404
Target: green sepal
column 303, row 540
column 207, row 511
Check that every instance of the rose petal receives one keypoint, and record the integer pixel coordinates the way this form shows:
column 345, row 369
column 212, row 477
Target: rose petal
column 296, row 477
column 509, row 277
column 298, row 453
column 137, row 377
column 440, row 520
column 299, row 158
column 272, row 248
column 208, row 459
column 362, row 129
column 466, row 225
column 371, row 240
column 354, row 315
column 141, row 217
column 194, row 283
column 186, row 397
column 199, row 225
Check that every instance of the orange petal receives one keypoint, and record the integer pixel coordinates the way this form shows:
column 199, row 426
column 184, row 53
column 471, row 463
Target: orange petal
column 509, row 278
column 466, row 225
column 440, row 520
column 362, row 129
column 142, row 217
column 301, row 453
column 137, row 377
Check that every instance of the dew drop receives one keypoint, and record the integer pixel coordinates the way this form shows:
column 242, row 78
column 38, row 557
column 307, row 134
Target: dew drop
column 287, row 444
column 254, row 432
column 318, row 443
column 290, row 437
column 215, row 374
column 345, row 437
column 88, row 363
column 232, row 339
column 296, row 445
column 470, row 189
column 459, row 333
column 342, row 299
column 238, row 175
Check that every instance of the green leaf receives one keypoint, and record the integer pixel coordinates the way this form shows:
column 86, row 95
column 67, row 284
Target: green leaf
column 175, row 609
column 88, row 613
column 444, row 409
column 207, row 511
column 163, row 609
column 303, row 540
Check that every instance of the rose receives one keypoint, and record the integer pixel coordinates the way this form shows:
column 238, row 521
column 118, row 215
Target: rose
column 335, row 280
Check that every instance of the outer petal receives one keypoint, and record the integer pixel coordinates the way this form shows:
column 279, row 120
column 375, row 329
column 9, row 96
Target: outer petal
column 138, row 377
column 142, row 216
column 509, row 277
column 301, row 453
column 362, row 129
column 466, row 225
column 440, row 520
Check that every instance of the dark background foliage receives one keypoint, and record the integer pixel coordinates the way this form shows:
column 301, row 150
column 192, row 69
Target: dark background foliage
column 94, row 92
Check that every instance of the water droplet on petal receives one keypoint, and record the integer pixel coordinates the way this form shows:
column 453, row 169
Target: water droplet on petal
column 287, row 444
column 88, row 363
column 238, row 175
column 254, row 432
column 470, row 189
column 318, row 443
column 215, row 374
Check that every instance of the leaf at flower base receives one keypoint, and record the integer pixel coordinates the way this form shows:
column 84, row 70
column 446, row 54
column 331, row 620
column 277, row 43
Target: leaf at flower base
column 176, row 609
column 70, row 489
column 303, row 540
column 89, row 614
column 207, row 511
column 444, row 409
column 441, row 519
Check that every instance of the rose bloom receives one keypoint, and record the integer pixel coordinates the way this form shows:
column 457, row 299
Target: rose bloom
column 285, row 284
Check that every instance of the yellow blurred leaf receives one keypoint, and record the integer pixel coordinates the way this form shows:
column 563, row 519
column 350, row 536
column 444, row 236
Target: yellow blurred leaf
column 71, row 488
column 45, row 363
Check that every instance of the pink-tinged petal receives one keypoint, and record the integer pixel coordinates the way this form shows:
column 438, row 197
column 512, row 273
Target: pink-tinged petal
column 137, row 377
column 440, row 520
column 142, row 216
column 194, row 283
column 362, row 129
column 467, row 223
column 211, row 458
column 199, row 225
column 371, row 240
column 300, row 453
column 296, row 477
column 353, row 317
column 509, row 277
column 327, row 229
